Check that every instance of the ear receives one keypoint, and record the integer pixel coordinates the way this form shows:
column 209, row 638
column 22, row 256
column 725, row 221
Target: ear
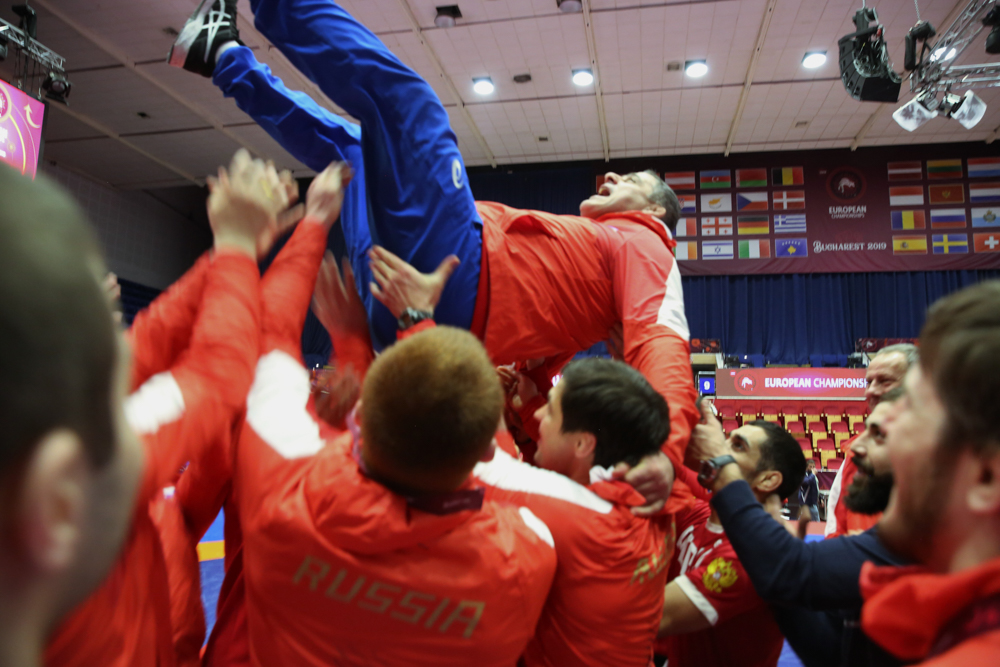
column 768, row 481
column 983, row 495
column 584, row 445
column 655, row 209
column 52, row 501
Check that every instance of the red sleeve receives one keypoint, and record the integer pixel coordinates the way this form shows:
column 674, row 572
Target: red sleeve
column 182, row 411
column 163, row 330
column 689, row 478
column 650, row 301
column 720, row 587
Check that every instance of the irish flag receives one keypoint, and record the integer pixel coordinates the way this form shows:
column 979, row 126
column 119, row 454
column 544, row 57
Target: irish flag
column 686, row 250
column 755, row 249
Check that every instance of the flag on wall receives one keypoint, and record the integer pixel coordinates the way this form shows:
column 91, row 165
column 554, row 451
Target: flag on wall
column 686, row 250
column 984, row 167
column 755, row 249
column 720, row 203
column 686, row 227
column 949, row 244
column 946, row 194
column 753, row 224
column 751, row 201
column 717, row 249
column 689, row 203
column 717, row 226
column 910, row 195
column 906, row 171
column 941, row 169
column 947, row 218
column 679, row 180
column 909, row 245
column 786, row 200
column 751, row 178
column 908, row 220
column 787, row 176
column 790, row 224
column 984, row 193
column 719, row 178
column 986, row 242
column 791, row 247
column 986, row 217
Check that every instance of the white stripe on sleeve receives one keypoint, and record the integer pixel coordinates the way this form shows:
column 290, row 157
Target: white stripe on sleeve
column 276, row 407
column 699, row 600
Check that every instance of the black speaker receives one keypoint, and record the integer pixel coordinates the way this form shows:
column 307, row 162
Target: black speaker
column 865, row 79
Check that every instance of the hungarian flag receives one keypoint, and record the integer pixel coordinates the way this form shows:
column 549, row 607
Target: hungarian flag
column 986, row 217
column 717, row 226
column 948, row 218
column 789, row 200
column 679, row 180
column 686, row 227
column 949, row 244
column 791, row 248
column 787, row 176
column 717, row 249
column 941, row 169
column 717, row 203
column 689, row 203
column 946, row 194
column 755, row 249
column 751, row 178
column 686, row 250
column 906, row 171
column 908, row 220
column 716, row 179
column 909, row 245
column 910, row 195
column 753, row 224
column 987, row 242
column 984, row 193
column 751, row 201
column 984, row 167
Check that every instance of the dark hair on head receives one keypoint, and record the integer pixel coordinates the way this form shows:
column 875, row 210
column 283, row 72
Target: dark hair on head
column 59, row 354
column 432, row 402
column 664, row 196
column 960, row 354
column 613, row 401
column 781, row 452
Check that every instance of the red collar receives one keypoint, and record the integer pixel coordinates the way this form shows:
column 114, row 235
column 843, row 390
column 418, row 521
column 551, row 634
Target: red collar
column 650, row 222
column 911, row 612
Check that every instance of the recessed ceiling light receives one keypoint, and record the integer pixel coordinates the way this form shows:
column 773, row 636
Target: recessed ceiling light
column 446, row 16
column 814, row 59
column 696, row 68
column 674, row 66
column 483, row 85
column 570, row 6
column 522, row 78
column 583, row 77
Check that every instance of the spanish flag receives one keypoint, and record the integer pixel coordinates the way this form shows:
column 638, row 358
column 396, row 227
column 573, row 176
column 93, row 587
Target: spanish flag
column 909, row 245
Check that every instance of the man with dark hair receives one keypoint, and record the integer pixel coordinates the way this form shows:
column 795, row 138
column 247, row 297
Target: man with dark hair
column 711, row 613
column 529, row 284
column 812, row 586
column 942, row 438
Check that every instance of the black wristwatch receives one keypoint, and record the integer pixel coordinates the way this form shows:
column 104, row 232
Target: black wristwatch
column 710, row 469
column 412, row 316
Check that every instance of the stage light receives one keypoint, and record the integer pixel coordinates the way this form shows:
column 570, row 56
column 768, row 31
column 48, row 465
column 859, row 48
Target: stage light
column 570, row 6
column 814, row 59
column 446, row 16
column 939, row 54
column 583, row 77
column 915, row 113
column 483, row 85
column 696, row 68
column 967, row 110
column 993, row 39
column 57, row 87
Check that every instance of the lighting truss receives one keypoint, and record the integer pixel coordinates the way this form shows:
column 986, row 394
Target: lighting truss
column 934, row 75
column 32, row 48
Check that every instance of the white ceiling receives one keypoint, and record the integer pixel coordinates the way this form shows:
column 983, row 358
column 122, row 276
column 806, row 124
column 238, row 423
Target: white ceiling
column 115, row 52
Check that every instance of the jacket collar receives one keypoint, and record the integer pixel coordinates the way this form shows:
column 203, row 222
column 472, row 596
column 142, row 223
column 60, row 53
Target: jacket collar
column 650, row 222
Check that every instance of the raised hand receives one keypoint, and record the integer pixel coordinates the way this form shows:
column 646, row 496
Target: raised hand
column 399, row 286
column 326, row 193
column 336, row 302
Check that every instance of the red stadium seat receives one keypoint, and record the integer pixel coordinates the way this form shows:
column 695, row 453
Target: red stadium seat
column 832, row 414
column 747, row 411
column 789, row 412
column 805, row 443
column 769, row 412
column 840, row 434
column 835, row 463
column 811, row 413
column 730, row 425
column 726, row 411
column 816, row 431
column 827, row 450
column 795, row 428
column 856, row 414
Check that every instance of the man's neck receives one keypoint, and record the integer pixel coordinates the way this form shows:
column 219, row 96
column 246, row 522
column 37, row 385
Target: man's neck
column 981, row 546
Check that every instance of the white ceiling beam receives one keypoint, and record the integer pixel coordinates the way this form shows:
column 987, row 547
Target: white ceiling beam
column 596, row 69
column 462, row 110
column 765, row 24
column 111, row 50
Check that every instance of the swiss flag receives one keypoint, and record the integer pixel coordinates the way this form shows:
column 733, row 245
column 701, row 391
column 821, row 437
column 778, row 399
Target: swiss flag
column 987, row 242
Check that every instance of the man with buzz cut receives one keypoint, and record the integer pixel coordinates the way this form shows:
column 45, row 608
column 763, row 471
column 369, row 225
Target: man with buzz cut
column 529, row 284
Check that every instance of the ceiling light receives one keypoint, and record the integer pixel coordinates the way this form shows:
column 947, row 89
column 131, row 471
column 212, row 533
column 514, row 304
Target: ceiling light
column 583, row 77
column 57, row 87
column 570, row 6
column 446, row 16
column 483, row 85
column 993, row 39
column 696, row 68
column 814, row 59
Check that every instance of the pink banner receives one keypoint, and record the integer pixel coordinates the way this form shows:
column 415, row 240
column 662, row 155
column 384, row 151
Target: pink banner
column 21, row 119
column 798, row 383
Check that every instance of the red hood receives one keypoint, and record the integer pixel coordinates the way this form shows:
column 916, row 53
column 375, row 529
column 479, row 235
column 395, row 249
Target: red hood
column 650, row 222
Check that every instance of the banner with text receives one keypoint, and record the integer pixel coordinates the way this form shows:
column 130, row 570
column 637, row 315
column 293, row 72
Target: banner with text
column 798, row 383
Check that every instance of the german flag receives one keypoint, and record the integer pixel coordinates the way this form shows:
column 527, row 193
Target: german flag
column 753, row 224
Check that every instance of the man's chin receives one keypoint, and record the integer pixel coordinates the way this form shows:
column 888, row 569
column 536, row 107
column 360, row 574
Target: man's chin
column 594, row 207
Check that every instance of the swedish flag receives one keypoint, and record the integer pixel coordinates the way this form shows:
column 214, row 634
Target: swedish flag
column 947, row 244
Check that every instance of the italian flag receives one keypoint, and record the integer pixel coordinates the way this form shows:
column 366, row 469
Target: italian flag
column 755, row 249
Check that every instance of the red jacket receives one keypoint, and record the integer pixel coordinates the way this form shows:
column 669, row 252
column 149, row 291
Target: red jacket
column 189, row 398
column 556, row 284
column 921, row 616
